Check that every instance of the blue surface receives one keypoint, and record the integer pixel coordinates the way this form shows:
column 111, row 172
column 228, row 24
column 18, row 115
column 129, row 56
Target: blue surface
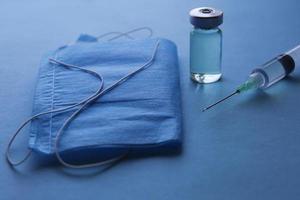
column 246, row 149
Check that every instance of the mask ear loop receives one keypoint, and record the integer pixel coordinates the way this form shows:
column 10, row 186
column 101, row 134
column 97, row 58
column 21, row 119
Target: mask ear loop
column 73, row 116
column 126, row 34
column 115, row 33
column 60, row 110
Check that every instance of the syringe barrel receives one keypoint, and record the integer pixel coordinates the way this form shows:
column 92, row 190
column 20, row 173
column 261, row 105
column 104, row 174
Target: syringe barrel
column 278, row 68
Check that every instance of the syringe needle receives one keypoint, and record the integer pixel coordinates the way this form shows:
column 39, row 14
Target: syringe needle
column 212, row 105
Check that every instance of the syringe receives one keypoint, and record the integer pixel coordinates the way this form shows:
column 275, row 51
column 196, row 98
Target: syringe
column 269, row 73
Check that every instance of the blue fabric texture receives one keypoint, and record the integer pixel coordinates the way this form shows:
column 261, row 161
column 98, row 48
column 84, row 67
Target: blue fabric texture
column 143, row 114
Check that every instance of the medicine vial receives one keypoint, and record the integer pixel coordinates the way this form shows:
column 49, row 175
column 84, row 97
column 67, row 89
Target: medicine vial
column 205, row 44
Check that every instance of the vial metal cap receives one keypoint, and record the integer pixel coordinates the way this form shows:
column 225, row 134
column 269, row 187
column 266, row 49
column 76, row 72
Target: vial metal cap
column 206, row 17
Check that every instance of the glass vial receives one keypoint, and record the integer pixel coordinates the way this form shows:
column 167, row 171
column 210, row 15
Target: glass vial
column 205, row 44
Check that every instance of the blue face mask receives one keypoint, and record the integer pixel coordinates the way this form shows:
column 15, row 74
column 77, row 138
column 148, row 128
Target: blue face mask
column 106, row 98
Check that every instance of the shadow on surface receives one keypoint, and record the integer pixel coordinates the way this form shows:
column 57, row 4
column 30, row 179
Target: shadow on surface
column 258, row 97
column 41, row 162
column 292, row 79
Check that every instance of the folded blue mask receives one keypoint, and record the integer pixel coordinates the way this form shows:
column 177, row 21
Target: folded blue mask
column 107, row 98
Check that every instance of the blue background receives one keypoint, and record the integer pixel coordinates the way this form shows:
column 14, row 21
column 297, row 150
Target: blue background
column 248, row 148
